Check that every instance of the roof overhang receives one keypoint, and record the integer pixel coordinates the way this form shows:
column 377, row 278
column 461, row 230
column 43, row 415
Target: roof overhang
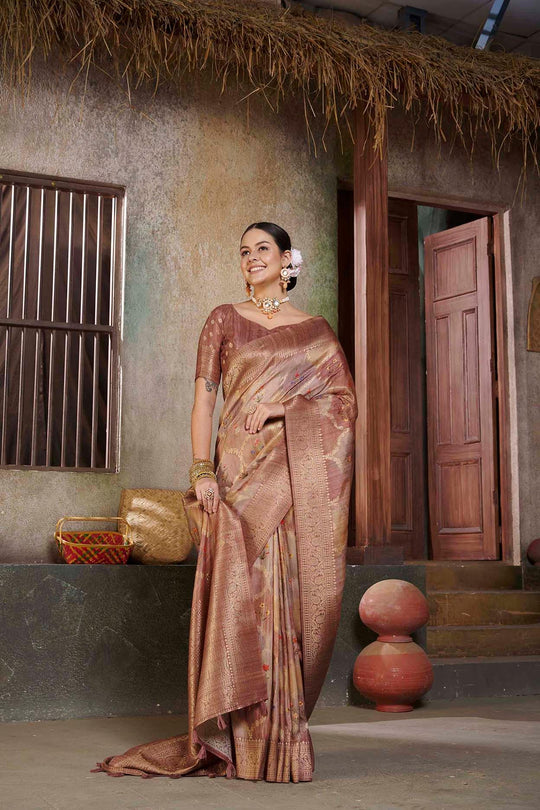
column 334, row 66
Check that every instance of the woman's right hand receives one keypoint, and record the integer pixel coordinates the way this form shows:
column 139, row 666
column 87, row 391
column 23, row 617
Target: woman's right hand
column 202, row 485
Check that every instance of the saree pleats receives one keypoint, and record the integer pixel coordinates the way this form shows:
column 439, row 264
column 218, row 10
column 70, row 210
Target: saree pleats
column 277, row 746
column 271, row 565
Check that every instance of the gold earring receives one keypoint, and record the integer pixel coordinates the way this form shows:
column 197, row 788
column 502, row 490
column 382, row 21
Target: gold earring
column 248, row 289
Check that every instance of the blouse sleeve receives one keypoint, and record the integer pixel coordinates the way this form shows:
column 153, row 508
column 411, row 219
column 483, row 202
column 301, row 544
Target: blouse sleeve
column 208, row 352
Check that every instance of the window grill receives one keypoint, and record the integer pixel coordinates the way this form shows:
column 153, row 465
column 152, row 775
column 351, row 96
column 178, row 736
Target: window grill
column 60, row 315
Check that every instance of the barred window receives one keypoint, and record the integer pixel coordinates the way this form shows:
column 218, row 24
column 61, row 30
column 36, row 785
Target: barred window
column 60, row 313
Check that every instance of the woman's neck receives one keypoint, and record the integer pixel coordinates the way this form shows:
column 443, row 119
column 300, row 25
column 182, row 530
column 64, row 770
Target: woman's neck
column 268, row 291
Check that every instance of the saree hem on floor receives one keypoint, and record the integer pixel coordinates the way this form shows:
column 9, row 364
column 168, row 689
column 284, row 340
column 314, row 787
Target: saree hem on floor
column 270, row 567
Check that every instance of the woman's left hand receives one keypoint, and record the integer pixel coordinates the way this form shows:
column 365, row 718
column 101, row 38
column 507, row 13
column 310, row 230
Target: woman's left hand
column 263, row 411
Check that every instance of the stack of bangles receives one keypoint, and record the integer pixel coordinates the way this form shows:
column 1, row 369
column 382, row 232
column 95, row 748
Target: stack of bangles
column 202, row 468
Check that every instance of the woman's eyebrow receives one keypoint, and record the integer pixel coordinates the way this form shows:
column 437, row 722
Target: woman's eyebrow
column 256, row 243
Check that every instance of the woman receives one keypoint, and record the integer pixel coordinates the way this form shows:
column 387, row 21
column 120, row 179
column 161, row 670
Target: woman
column 270, row 522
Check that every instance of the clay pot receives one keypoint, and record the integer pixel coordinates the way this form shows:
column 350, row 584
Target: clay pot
column 533, row 552
column 394, row 608
column 393, row 671
column 394, row 675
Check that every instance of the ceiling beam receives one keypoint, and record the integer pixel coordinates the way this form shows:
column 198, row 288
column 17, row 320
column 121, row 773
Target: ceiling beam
column 491, row 25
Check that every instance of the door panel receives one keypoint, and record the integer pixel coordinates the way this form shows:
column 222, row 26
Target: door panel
column 462, row 470
column 406, row 441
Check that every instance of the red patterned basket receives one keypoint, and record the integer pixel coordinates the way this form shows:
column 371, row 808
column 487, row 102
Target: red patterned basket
column 94, row 547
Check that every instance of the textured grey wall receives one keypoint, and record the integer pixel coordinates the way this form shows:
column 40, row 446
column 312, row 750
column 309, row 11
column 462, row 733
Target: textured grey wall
column 195, row 177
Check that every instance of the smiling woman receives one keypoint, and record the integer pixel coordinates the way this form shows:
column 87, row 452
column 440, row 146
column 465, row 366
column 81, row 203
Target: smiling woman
column 267, row 253
column 269, row 516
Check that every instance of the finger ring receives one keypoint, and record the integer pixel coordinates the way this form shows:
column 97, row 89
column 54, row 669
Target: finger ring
column 209, row 494
column 252, row 409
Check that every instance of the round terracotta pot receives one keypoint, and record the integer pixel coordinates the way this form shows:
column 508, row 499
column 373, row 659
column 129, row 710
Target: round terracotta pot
column 533, row 552
column 394, row 675
column 394, row 608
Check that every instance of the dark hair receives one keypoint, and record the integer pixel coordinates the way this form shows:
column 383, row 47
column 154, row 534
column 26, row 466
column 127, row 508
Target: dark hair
column 280, row 237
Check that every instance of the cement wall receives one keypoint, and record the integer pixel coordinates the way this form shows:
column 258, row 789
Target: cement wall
column 108, row 640
column 196, row 175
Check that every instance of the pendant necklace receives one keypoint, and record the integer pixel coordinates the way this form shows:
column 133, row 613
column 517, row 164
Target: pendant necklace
column 268, row 305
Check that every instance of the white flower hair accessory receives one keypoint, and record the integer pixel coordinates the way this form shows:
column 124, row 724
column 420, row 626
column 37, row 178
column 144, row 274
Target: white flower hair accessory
column 296, row 262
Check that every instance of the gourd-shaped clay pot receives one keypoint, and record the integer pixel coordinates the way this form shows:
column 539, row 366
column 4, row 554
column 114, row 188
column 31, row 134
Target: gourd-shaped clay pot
column 393, row 671
column 533, row 552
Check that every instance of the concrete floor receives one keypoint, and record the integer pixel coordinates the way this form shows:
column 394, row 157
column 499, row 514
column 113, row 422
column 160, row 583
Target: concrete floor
column 447, row 754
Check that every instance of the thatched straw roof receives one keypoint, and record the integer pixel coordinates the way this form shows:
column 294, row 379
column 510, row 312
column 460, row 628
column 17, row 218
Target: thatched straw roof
column 335, row 66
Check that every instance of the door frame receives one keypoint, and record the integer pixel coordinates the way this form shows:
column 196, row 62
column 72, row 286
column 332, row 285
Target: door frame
column 507, row 443
column 371, row 190
column 504, row 341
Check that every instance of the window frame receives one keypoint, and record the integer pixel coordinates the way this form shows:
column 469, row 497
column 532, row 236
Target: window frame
column 68, row 184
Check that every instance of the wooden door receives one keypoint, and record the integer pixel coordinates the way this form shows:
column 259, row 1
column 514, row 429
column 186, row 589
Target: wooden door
column 462, row 471
column 406, row 423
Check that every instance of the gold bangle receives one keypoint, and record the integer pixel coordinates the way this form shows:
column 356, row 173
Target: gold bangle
column 198, row 470
column 202, row 466
column 201, row 471
column 203, row 474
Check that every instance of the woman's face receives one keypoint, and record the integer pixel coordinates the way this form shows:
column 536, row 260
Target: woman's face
column 261, row 259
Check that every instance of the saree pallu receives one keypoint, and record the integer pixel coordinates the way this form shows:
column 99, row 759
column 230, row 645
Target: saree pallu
column 270, row 568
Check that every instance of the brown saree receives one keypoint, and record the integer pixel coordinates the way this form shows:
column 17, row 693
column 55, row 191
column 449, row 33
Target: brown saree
column 271, row 563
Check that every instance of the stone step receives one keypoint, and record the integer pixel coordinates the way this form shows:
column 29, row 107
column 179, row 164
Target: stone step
column 477, row 677
column 483, row 607
column 475, row 576
column 488, row 640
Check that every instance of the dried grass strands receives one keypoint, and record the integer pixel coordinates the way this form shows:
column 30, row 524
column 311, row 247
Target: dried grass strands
column 335, row 66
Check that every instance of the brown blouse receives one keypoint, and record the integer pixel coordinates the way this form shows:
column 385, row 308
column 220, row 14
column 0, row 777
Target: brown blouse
column 224, row 330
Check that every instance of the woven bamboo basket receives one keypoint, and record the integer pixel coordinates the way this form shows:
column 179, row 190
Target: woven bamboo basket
column 95, row 547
